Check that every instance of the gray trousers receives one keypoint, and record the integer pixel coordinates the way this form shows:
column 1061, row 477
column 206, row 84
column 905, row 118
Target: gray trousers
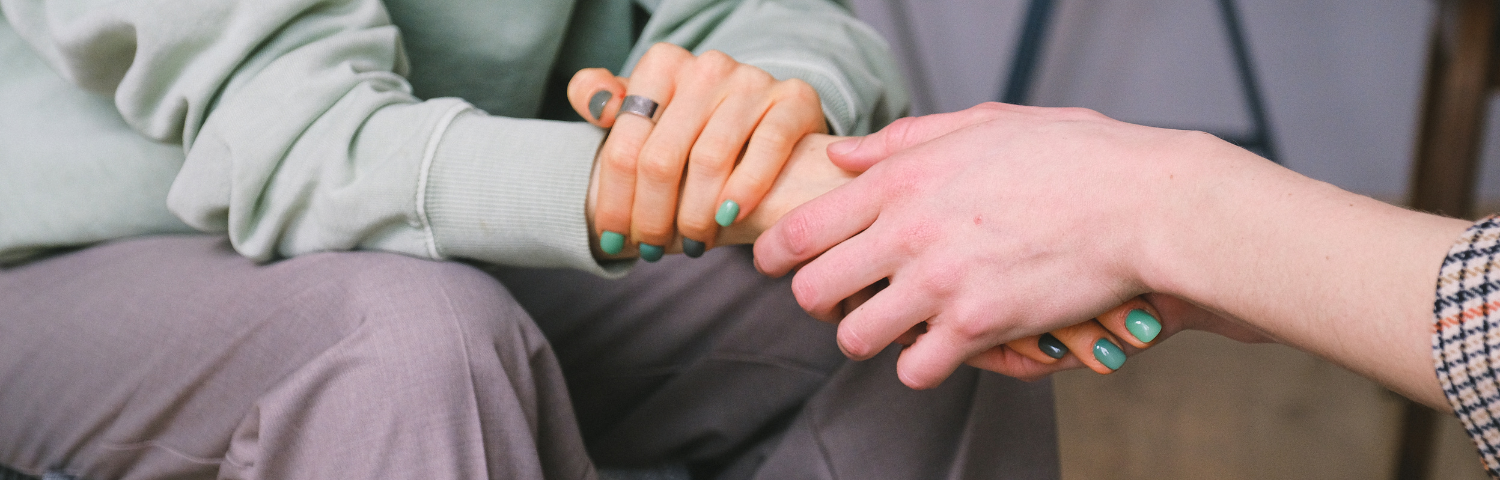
column 173, row 357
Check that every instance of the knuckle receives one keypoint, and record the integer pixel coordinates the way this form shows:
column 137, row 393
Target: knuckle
column 747, row 86
column 712, row 158
column 775, row 136
column 805, row 290
column 705, row 73
column 899, row 182
column 662, row 55
column 657, row 232
column 695, row 227
column 1079, row 113
column 717, row 59
column 970, row 328
column 851, row 341
column 797, row 90
column 797, row 234
column 619, row 159
column 660, row 168
column 622, row 147
column 1198, row 137
column 939, row 278
column 901, row 131
column 664, row 49
column 756, row 177
column 747, row 77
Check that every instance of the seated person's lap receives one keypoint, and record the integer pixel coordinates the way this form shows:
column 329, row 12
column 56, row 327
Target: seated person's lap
column 120, row 350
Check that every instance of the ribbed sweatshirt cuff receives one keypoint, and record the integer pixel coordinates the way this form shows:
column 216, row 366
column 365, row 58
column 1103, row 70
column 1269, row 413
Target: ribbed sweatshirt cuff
column 512, row 192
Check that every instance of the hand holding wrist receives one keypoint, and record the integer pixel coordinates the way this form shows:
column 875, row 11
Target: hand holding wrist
column 807, row 174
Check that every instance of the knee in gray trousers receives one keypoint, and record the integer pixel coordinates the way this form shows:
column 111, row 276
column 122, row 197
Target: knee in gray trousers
column 175, row 357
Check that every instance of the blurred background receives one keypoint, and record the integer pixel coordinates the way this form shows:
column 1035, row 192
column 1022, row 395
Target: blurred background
column 1340, row 87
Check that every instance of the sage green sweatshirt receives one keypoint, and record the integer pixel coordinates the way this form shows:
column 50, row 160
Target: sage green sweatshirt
column 410, row 126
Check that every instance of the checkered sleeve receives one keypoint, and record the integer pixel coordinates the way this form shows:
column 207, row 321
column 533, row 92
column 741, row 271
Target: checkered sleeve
column 1466, row 337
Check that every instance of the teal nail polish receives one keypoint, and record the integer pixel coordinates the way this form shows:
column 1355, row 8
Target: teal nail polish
column 728, row 211
column 598, row 101
column 1051, row 346
column 651, row 253
column 1109, row 354
column 1142, row 325
column 611, row 242
column 693, row 248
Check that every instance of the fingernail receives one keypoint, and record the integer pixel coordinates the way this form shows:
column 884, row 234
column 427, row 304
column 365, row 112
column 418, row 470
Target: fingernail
column 1051, row 346
column 692, row 248
column 728, row 211
column 597, row 102
column 611, row 242
column 1142, row 325
column 651, row 253
column 1109, row 354
column 845, row 147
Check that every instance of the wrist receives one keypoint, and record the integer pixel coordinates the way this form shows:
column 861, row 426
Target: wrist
column 807, row 174
column 1188, row 203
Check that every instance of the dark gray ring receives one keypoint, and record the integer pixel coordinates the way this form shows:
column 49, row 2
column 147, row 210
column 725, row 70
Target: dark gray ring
column 639, row 105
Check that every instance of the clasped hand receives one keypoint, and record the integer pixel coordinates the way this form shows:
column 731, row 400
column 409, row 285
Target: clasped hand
column 986, row 228
column 733, row 147
column 724, row 135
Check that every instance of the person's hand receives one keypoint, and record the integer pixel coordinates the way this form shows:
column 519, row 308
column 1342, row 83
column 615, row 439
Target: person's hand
column 969, row 222
column 722, row 135
column 807, row 174
column 1095, row 344
column 1127, row 330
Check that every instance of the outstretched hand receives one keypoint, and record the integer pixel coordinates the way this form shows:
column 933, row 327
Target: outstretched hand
column 962, row 214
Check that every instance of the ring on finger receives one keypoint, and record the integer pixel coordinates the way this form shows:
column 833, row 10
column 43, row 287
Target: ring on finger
column 639, row 105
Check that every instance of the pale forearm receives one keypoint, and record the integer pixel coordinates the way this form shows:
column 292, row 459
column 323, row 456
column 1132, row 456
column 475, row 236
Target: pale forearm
column 1337, row 274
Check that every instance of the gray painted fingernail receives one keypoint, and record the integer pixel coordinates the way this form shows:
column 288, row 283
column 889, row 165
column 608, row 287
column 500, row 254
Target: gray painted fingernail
column 693, row 248
column 597, row 102
column 1051, row 346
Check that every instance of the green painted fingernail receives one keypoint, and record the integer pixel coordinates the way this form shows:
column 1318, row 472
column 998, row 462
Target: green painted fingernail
column 1109, row 354
column 611, row 242
column 651, row 253
column 1051, row 346
column 1142, row 325
column 728, row 211
column 693, row 248
column 598, row 101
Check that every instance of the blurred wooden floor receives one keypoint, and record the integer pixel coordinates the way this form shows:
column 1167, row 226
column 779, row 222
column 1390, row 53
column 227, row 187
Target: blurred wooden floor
column 1203, row 407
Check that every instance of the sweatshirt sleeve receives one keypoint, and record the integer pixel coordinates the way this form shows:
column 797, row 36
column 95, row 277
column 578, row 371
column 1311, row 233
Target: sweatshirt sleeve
column 1466, row 336
column 301, row 133
column 817, row 41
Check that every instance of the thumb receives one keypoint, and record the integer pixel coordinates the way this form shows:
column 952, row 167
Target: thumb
column 859, row 154
column 596, row 95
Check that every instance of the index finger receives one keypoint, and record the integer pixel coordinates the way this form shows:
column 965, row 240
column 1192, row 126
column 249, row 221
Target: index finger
column 814, row 227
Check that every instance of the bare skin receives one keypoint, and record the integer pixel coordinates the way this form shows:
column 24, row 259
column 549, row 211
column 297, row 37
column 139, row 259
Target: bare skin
column 724, row 132
column 807, row 174
column 1001, row 222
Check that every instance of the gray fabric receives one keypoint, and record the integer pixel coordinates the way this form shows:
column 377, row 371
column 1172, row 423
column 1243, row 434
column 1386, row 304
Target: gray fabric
column 699, row 356
column 8, row 474
column 175, row 357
